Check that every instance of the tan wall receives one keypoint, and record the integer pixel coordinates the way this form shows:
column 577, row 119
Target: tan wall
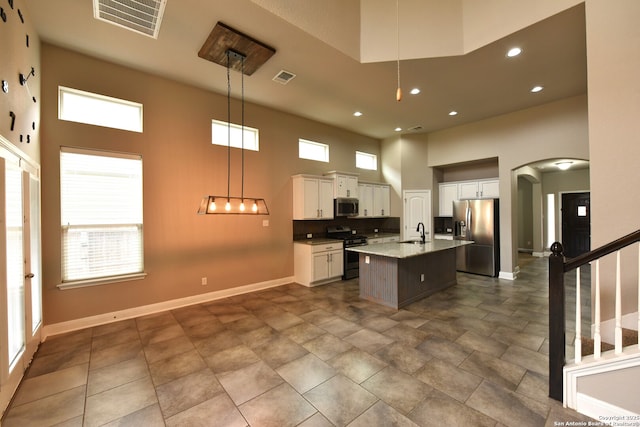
column 180, row 166
column 16, row 58
column 554, row 130
column 613, row 67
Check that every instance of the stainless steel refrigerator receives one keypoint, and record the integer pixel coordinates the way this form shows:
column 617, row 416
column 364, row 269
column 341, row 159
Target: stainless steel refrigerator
column 478, row 221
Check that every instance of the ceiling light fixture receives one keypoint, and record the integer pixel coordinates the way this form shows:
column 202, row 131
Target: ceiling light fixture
column 514, row 51
column 415, row 91
column 236, row 60
column 398, row 129
column 398, row 90
column 453, row 113
column 537, row 89
column 564, row 165
column 357, row 113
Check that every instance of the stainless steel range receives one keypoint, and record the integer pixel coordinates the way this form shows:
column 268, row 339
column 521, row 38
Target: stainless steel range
column 349, row 239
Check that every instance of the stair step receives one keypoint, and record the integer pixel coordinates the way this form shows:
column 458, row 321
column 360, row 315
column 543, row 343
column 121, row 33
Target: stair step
column 629, row 337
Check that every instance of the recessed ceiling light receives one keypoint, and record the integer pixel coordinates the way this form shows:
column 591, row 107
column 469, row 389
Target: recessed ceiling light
column 514, row 51
column 453, row 113
column 415, row 91
column 357, row 113
column 398, row 129
column 537, row 89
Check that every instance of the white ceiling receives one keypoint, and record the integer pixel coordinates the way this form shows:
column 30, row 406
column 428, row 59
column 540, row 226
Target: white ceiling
column 331, row 84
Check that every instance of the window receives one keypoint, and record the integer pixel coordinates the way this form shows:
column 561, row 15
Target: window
column 366, row 161
column 93, row 109
column 220, row 135
column 101, row 213
column 313, row 150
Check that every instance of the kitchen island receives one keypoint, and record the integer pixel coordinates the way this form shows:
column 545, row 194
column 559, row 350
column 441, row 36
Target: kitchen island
column 400, row 273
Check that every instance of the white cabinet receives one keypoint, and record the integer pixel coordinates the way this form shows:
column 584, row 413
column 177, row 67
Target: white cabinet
column 489, row 189
column 312, row 197
column 448, row 192
column 344, row 184
column 381, row 200
column 374, row 200
column 317, row 264
column 485, row 189
column 390, row 239
column 462, row 190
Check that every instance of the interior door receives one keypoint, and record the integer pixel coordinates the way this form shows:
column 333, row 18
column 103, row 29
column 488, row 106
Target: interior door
column 576, row 223
column 21, row 291
column 417, row 208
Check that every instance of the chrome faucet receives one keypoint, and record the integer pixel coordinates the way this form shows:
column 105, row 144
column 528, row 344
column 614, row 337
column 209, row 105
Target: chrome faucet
column 423, row 238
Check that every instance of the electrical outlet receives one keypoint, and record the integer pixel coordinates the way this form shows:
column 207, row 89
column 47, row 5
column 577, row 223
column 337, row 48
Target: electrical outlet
column 309, row 235
column 353, row 231
column 422, row 277
column 375, row 230
column 265, row 222
column 204, row 281
column 367, row 260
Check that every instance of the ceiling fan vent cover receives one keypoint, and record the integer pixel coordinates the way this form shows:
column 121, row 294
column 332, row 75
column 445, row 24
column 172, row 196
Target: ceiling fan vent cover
column 141, row 16
column 284, row 77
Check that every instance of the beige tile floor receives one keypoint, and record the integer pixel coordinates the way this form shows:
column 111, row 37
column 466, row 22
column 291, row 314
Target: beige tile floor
column 472, row 355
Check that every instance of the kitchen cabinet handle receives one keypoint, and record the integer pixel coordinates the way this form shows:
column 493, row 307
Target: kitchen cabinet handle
column 29, row 276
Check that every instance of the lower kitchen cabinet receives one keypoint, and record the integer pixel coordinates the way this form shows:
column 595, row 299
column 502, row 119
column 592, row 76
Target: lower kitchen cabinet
column 316, row 264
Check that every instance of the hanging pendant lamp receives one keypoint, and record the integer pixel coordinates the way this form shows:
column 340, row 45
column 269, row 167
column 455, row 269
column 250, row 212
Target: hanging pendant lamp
column 399, row 89
column 228, row 40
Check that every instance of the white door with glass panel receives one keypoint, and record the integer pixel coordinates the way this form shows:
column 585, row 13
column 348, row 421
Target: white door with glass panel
column 20, row 267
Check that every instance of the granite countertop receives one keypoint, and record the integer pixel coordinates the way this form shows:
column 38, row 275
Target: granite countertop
column 318, row 241
column 380, row 235
column 410, row 249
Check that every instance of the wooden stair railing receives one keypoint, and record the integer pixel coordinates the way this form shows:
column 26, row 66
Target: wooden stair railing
column 558, row 266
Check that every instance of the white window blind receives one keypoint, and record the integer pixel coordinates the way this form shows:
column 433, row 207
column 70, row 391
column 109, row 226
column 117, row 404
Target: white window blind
column 101, row 212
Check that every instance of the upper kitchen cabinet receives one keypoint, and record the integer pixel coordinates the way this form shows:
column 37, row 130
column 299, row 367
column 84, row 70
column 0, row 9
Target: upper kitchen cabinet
column 463, row 190
column 448, row 193
column 484, row 189
column 344, row 184
column 312, row 197
column 374, row 200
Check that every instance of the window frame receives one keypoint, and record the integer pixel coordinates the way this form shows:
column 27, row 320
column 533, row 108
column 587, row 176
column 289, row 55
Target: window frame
column 370, row 157
column 64, row 114
column 308, row 143
column 70, row 283
column 236, row 140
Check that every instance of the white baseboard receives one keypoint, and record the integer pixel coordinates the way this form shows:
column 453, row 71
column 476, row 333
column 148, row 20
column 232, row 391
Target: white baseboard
column 101, row 319
column 508, row 275
column 602, row 411
column 608, row 327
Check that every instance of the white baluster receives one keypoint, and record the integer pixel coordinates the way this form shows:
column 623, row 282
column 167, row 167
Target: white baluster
column 618, row 330
column 578, row 341
column 597, row 339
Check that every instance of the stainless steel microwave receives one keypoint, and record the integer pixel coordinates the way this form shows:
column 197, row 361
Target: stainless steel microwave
column 345, row 206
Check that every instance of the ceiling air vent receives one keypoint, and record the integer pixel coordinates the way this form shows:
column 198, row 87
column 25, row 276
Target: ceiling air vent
column 141, row 16
column 284, row 77
column 415, row 128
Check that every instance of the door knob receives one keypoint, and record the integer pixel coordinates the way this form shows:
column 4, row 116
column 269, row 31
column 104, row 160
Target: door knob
column 29, row 276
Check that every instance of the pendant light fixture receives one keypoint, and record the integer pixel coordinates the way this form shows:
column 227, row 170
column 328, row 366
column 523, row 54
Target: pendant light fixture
column 399, row 89
column 224, row 46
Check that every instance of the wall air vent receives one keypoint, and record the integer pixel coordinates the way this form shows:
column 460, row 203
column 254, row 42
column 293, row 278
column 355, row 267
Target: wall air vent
column 284, row 77
column 141, row 16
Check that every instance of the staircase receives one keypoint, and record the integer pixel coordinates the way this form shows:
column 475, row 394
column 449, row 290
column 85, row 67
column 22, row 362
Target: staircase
column 601, row 376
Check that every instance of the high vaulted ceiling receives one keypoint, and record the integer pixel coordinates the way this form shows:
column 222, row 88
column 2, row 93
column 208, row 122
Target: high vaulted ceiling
column 342, row 61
